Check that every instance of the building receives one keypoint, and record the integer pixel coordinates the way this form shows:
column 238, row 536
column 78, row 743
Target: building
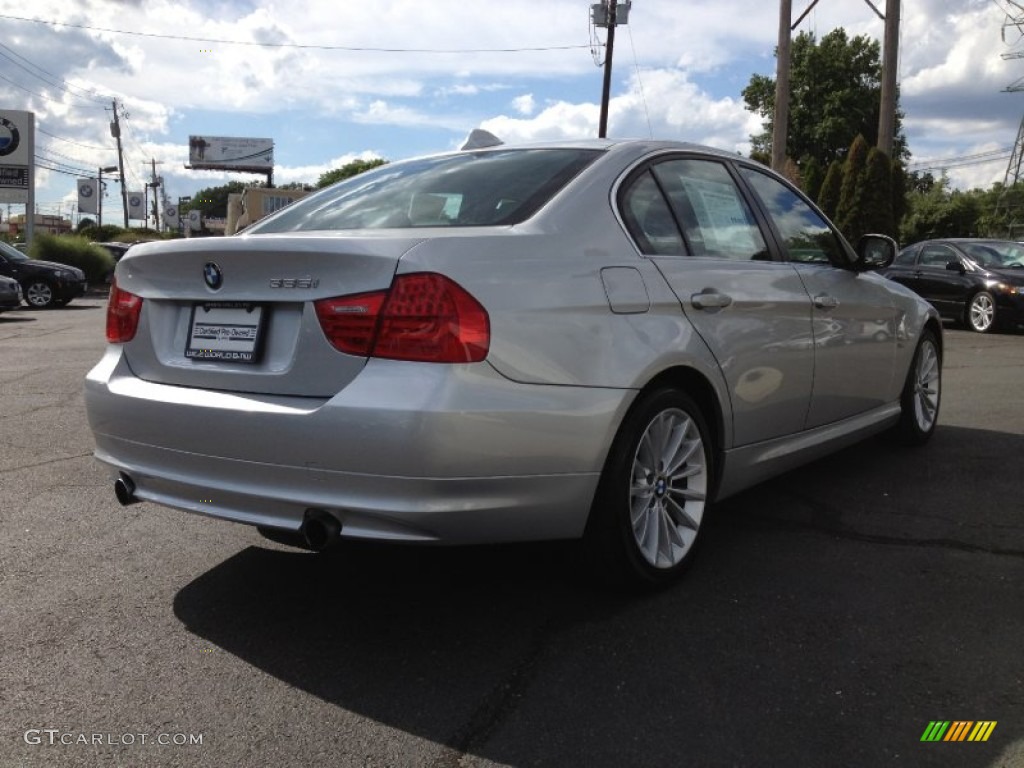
column 256, row 202
column 52, row 225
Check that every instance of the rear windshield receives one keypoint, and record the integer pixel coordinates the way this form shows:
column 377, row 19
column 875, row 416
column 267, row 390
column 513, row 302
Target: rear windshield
column 468, row 189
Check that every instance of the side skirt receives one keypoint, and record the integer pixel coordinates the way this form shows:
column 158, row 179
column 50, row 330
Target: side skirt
column 751, row 464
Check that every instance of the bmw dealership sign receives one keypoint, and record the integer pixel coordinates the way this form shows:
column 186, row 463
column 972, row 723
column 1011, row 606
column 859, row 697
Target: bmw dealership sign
column 17, row 137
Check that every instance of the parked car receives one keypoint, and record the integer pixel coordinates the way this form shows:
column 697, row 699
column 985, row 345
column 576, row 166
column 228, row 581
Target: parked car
column 117, row 250
column 977, row 282
column 44, row 284
column 10, row 294
column 587, row 340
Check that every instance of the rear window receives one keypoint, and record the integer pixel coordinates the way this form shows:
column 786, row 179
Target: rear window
column 468, row 189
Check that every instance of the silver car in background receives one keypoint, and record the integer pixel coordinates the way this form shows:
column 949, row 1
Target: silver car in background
column 588, row 340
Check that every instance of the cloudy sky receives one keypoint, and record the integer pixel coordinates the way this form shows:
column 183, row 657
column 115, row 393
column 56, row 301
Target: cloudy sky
column 331, row 81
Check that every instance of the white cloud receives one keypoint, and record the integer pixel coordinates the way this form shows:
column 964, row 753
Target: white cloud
column 525, row 104
column 693, row 61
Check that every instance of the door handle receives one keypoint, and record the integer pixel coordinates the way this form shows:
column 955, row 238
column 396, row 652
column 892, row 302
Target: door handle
column 710, row 300
column 823, row 301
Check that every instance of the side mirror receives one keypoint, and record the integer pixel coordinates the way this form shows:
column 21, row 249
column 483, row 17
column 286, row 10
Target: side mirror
column 875, row 252
column 956, row 266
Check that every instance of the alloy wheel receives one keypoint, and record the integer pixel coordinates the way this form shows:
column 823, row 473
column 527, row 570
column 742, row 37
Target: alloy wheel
column 926, row 386
column 669, row 488
column 982, row 312
column 39, row 294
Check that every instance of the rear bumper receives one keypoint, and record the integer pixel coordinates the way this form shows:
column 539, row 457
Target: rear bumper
column 415, row 452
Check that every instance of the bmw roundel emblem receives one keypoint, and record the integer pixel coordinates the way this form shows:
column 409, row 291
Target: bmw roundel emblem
column 213, row 276
column 9, row 137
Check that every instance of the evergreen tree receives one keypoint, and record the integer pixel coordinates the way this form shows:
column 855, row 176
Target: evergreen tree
column 850, row 215
column 812, row 176
column 878, row 208
column 831, row 189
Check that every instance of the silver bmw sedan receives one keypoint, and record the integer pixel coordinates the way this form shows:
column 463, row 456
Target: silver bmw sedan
column 584, row 340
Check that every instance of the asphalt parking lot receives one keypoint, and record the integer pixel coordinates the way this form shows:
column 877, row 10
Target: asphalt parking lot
column 831, row 615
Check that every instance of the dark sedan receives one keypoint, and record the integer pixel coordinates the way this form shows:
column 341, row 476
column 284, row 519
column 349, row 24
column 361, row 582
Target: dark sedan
column 44, row 283
column 974, row 281
column 10, row 294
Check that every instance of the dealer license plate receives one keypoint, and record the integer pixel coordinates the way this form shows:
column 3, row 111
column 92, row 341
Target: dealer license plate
column 226, row 330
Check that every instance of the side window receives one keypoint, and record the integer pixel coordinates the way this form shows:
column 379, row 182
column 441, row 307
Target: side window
column 936, row 256
column 715, row 218
column 649, row 219
column 806, row 236
column 906, row 258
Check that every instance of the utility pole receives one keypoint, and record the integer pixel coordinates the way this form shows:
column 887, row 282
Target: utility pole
column 780, row 123
column 602, row 129
column 99, row 191
column 156, row 205
column 608, row 13
column 115, row 131
column 890, row 68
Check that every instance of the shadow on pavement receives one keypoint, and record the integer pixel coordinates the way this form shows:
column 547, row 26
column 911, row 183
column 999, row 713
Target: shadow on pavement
column 822, row 623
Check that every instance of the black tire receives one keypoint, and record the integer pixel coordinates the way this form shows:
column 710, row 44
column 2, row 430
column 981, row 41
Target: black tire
column 646, row 517
column 922, row 393
column 38, row 293
column 980, row 315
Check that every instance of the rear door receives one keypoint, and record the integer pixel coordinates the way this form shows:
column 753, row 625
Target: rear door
column 688, row 215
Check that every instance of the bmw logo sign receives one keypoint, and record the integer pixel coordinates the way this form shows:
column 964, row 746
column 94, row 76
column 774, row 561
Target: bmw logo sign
column 135, row 201
column 213, row 276
column 85, row 190
column 9, row 138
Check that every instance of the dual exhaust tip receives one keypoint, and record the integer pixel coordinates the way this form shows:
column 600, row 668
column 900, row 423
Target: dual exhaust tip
column 320, row 530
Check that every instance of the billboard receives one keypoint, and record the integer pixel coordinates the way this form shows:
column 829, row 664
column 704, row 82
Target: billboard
column 225, row 153
column 17, row 138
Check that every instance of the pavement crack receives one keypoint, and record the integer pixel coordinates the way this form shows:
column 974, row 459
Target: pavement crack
column 58, row 460
column 843, row 532
column 497, row 705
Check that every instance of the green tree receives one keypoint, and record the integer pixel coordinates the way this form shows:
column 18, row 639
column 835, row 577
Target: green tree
column 851, row 212
column 878, row 208
column 899, row 194
column 941, row 212
column 831, row 189
column 811, row 176
column 213, row 201
column 835, row 92
column 348, row 170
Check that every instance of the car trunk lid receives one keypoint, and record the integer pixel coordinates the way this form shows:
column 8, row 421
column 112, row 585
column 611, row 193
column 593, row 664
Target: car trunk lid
column 237, row 314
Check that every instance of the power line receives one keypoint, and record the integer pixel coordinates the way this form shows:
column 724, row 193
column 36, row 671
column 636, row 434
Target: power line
column 975, row 159
column 256, row 44
column 49, row 98
column 63, row 84
column 70, row 141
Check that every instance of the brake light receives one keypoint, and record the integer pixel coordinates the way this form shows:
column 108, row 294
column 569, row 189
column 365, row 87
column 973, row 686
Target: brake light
column 123, row 310
column 350, row 322
column 423, row 317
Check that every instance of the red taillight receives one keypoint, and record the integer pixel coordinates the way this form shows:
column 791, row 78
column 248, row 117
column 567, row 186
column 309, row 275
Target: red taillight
column 123, row 310
column 350, row 322
column 423, row 317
